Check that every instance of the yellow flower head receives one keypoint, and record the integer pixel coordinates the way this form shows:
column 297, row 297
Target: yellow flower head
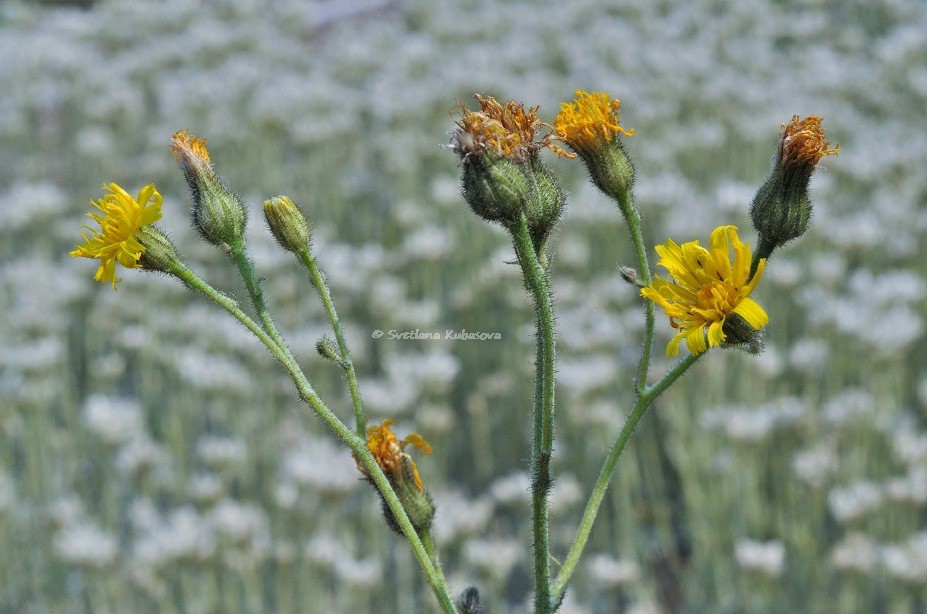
column 589, row 122
column 803, row 141
column 190, row 151
column 508, row 130
column 390, row 452
column 120, row 219
column 706, row 288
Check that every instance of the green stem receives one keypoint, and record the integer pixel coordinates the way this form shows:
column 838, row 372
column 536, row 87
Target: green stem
column 763, row 250
column 253, row 285
column 318, row 280
column 644, row 401
column 543, row 440
column 633, row 219
column 358, row 445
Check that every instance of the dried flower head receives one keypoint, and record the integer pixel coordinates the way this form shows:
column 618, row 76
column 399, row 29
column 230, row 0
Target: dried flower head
column 803, row 141
column 390, row 452
column 509, row 130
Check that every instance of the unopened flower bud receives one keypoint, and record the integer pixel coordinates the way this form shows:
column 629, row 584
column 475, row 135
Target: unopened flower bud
column 469, row 601
column 546, row 204
column 218, row 214
column 287, row 224
column 781, row 209
column 327, row 349
column 629, row 274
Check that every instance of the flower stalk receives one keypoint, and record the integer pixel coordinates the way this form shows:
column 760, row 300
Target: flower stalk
column 307, row 259
column 543, row 419
column 357, row 445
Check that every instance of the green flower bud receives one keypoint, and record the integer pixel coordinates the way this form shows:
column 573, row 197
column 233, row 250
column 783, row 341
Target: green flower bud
column 287, row 224
column 546, row 203
column 496, row 188
column 218, row 214
column 418, row 505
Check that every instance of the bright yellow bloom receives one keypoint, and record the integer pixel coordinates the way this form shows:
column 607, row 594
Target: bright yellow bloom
column 117, row 240
column 706, row 288
column 507, row 130
column 589, row 122
column 390, row 452
column 803, row 141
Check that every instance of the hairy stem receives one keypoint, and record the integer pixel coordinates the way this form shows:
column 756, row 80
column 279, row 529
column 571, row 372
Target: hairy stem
column 358, row 445
column 644, row 401
column 318, row 280
column 543, row 438
column 633, row 219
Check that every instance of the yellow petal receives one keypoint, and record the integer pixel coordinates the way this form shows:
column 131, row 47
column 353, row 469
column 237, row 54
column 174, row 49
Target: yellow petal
column 751, row 311
column 695, row 341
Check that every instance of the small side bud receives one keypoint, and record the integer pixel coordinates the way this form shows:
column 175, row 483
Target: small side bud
column 781, row 209
column 218, row 214
column 629, row 274
column 589, row 126
column 470, row 601
column 160, row 253
column 546, row 205
column 327, row 349
column 287, row 223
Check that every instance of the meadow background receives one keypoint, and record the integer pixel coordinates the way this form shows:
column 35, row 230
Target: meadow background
column 153, row 458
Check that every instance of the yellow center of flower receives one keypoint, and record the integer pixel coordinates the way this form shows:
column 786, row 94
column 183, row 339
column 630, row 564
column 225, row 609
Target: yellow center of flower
column 389, row 452
column 507, row 130
column 589, row 122
column 120, row 219
column 803, row 141
column 707, row 288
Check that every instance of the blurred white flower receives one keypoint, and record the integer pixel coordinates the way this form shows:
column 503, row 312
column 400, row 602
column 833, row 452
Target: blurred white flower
column 85, row 543
column 609, row 572
column 857, row 552
column 767, row 558
column 854, row 501
column 116, row 420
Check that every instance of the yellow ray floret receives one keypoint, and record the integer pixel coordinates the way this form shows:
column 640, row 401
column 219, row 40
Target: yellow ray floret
column 706, row 288
column 507, row 130
column 803, row 141
column 590, row 121
column 390, row 451
column 120, row 219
